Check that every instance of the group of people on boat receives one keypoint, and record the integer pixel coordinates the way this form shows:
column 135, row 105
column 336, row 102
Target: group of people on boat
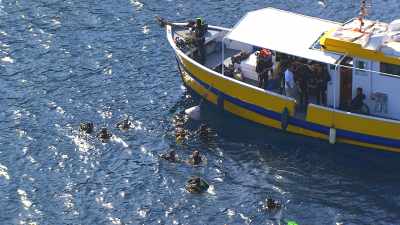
column 304, row 79
column 298, row 78
column 294, row 77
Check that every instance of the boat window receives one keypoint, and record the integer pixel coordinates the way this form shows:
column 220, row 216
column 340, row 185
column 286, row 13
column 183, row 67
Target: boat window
column 390, row 69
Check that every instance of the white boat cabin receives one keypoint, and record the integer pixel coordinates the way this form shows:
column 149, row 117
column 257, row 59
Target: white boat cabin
column 368, row 59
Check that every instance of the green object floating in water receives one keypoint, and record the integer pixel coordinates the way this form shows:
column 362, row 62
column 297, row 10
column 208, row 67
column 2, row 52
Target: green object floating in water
column 291, row 223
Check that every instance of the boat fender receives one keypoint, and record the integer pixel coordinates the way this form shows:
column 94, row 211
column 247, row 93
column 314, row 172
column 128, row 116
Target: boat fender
column 285, row 119
column 193, row 112
column 332, row 136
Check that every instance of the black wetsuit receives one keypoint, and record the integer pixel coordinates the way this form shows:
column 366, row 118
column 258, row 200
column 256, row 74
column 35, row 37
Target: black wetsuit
column 303, row 77
column 357, row 103
column 264, row 65
column 200, row 31
column 322, row 85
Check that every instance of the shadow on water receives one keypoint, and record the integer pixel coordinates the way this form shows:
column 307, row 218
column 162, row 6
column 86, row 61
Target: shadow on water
column 325, row 174
column 235, row 129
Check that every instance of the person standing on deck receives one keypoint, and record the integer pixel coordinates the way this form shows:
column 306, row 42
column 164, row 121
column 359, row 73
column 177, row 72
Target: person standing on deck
column 263, row 67
column 358, row 102
column 303, row 77
column 200, row 30
column 290, row 85
column 322, row 77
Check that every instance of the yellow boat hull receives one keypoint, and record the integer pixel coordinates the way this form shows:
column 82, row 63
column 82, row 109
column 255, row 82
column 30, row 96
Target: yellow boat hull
column 268, row 108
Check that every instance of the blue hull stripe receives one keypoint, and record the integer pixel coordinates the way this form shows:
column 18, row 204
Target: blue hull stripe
column 300, row 123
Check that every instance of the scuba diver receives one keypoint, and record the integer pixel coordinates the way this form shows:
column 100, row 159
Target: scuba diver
column 196, row 185
column 104, row 135
column 124, row 124
column 200, row 30
column 180, row 134
column 203, row 132
column 195, row 158
column 170, row 156
column 86, row 127
column 272, row 205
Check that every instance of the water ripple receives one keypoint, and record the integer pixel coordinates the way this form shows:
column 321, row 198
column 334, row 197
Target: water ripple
column 66, row 62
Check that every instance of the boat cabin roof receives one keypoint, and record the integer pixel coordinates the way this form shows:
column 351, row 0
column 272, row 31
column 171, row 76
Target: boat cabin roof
column 285, row 32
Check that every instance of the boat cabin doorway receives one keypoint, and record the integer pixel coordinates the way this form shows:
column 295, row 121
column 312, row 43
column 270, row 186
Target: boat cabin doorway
column 346, row 83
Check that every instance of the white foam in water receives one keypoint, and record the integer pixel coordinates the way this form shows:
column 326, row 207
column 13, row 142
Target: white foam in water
column 105, row 114
column 115, row 220
column 82, row 144
column 211, row 190
column 7, row 59
column 245, row 218
column 4, row 172
column 24, row 198
column 230, row 212
column 137, row 4
column 142, row 212
column 119, row 141
column 109, row 55
column 146, row 29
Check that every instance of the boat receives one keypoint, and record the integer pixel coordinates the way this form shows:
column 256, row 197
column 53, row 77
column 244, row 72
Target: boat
column 357, row 54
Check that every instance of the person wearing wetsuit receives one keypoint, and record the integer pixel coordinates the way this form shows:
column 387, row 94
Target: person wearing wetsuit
column 272, row 205
column 200, row 30
column 86, row 127
column 170, row 156
column 124, row 124
column 264, row 65
column 104, row 135
column 196, row 185
column 303, row 78
column 195, row 158
column 358, row 101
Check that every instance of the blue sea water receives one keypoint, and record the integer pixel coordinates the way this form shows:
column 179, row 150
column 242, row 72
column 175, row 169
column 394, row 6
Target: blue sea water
column 67, row 61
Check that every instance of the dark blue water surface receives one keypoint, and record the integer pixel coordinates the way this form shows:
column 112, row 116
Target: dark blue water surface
column 67, row 61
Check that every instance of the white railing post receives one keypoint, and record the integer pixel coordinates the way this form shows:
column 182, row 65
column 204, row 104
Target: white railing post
column 223, row 54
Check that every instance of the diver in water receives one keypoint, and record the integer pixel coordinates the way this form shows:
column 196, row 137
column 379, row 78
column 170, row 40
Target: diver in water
column 124, row 124
column 180, row 134
column 196, row 185
column 195, row 158
column 86, row 127
column 170, row 156
column 272, row 205
column 203, row 132
column 104, row 135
